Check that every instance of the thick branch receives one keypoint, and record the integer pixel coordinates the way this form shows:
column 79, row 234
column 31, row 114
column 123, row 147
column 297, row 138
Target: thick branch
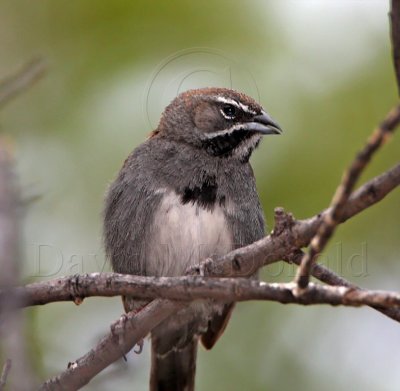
column 191, row 288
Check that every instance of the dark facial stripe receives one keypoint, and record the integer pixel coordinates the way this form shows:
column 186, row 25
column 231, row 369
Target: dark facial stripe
column 224, row 144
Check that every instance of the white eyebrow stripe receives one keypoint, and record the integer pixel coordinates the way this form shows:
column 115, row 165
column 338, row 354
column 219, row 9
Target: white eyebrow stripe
column 228, row 101
column 233, row 102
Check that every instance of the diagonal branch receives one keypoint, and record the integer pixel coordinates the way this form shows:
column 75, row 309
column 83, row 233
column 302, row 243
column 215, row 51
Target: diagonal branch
column 125, row 333
column 342, row 194
column 21, row 81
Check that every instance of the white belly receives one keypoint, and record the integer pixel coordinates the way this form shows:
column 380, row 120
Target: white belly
column 183, row 235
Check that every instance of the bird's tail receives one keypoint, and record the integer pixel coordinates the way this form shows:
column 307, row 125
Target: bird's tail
column 172, row 368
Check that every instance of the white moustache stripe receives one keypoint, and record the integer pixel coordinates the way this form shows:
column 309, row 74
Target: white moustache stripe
column 223, row 132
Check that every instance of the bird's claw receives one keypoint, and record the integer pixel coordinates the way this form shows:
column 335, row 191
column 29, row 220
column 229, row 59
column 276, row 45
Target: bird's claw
column 139, row 345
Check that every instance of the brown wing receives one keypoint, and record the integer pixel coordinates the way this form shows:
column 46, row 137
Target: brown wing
column 216, row 326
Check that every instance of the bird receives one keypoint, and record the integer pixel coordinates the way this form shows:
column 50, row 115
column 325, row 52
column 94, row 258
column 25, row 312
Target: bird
column 187, row 193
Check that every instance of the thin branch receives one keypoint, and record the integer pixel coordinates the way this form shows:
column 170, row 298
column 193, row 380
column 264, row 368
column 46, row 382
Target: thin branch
column 21, row 81
column 4, row 374
column 326, row 275
column 342, row 194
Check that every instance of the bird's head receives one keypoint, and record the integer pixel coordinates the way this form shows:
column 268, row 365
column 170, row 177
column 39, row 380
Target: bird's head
column 224, row 122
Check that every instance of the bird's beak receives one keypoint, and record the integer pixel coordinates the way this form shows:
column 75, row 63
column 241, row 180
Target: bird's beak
column 264, row 124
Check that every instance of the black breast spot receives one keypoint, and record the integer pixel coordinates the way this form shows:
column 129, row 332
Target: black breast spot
column 205, row 194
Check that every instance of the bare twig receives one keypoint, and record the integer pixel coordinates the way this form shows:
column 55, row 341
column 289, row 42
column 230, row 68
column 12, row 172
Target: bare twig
column 21, row 81
column 4, row 374
column 350, row 177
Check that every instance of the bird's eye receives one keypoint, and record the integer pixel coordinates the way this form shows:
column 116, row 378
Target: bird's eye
column 229, row 111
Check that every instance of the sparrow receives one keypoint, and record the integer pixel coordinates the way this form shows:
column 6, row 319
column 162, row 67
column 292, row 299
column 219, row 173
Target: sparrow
column 186, row 194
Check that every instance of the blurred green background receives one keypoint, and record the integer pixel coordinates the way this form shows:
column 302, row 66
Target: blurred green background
column 321, row 68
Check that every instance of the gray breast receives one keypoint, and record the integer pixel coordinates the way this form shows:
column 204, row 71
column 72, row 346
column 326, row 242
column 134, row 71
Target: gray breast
column 184, row 234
